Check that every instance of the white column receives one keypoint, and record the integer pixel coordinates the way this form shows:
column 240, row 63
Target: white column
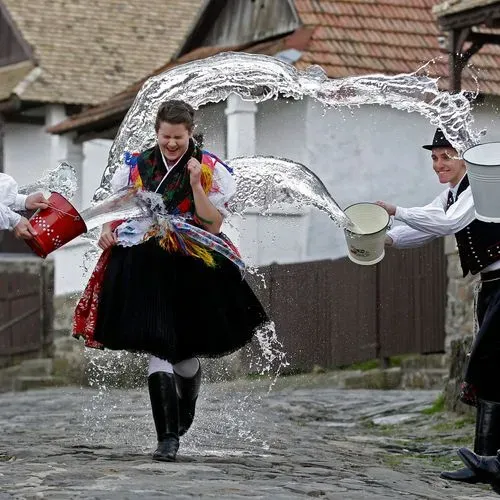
column 75, row 157
column 54, row 114
column 240, row 141
column 63, row 148
column 240, row 126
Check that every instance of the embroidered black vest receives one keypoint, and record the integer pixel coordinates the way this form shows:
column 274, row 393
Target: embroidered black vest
column 478, row 243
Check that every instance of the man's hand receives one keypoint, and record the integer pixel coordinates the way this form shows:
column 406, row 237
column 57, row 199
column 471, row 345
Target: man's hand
column 36, row 200
column 24, row 229
column 391, row 209
column 108, row 237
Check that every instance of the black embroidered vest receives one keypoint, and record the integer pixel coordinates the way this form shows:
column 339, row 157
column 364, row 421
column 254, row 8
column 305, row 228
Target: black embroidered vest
column 478, row 243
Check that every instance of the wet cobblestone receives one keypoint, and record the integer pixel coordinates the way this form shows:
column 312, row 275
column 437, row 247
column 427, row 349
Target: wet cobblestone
column 301, row 440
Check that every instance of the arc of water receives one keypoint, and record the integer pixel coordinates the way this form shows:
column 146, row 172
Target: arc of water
column 259, row 78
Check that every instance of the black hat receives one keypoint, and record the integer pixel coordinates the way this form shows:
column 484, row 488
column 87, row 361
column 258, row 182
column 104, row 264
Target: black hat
column 439, row 141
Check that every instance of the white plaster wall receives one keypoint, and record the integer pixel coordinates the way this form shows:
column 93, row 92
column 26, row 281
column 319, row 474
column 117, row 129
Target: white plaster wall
column 367, row 154
column 281, row 236
column 281, row 129
column 26, row 151
column 95, row 160
column 487, row 117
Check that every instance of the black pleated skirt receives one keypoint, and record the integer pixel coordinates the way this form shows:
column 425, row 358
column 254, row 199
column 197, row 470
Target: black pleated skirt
column 174, row 306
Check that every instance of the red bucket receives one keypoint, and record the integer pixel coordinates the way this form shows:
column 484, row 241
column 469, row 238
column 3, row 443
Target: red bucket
column 56, row 225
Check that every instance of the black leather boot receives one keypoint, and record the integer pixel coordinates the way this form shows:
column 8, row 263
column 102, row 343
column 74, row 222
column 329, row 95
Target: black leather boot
column 467, row 475
column 187, row 391
column 485, row 463
column 486, row 466
column 165, row 408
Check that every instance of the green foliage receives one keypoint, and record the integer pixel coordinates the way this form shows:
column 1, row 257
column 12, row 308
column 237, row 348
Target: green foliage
column 437, row 406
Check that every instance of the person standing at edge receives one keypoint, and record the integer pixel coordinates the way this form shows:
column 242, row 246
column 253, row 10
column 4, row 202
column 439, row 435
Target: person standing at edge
column 173, row 292
column 11, row 202
column 452, row 212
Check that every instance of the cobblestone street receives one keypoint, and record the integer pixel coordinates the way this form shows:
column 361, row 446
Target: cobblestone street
column 301, row 440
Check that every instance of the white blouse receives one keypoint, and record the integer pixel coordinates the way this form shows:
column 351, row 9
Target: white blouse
column 131, row 232
column 10, row 200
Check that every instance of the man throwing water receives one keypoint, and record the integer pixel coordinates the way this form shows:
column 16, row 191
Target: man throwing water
column 452, row 212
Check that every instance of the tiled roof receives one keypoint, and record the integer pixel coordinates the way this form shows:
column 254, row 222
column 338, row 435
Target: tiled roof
column 12, row 75
column 361, row 36
column 352, row 38
column 356, row 37
column 89, row 50
column 447, row 7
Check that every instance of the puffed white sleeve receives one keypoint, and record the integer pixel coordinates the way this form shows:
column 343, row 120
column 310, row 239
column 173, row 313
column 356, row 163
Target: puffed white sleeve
column 9, row 194
column 223, row 189
column 120, row 178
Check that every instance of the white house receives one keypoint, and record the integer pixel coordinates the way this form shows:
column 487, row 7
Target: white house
column 365, row 154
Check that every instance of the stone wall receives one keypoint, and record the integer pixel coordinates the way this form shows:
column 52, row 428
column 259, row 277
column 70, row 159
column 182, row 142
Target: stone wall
column 459, row 326
column 70, row 363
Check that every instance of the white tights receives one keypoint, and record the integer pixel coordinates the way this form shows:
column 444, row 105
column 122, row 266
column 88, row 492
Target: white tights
column 186, row 368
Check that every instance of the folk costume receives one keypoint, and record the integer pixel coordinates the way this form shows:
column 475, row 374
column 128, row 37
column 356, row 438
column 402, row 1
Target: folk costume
column 171, row 289
column 452, row 212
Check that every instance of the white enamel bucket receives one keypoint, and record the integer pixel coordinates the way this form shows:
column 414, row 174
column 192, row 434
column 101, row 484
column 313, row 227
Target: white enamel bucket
column 483, row 169
column 366, row 247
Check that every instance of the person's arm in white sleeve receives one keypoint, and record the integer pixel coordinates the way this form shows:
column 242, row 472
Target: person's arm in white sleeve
column 433, row 218
column 406, row 237
column 9, row 194
column 8, row 218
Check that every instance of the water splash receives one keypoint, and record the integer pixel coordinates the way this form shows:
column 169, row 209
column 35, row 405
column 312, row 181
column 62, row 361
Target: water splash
column 104, row 412
column 62, row 179
column 127, row 203
column 264, row 182
column 271, row 358
column 259, row 78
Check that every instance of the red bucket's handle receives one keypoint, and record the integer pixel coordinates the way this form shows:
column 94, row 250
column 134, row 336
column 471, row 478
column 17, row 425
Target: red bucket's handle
column 74, row 217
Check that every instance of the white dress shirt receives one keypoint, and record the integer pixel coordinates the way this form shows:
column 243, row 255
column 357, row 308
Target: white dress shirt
column 10, row 200
column 423, row 224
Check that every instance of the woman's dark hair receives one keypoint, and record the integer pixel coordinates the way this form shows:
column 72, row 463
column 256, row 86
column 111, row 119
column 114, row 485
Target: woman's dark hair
column 175, row 111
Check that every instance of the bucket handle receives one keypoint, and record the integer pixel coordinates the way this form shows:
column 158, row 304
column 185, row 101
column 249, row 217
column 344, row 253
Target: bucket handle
column 74, row 217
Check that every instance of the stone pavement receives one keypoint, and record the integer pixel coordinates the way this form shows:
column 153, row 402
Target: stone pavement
column 303, row 439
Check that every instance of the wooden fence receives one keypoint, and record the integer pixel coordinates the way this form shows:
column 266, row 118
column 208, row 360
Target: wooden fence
column 336, row 313
column 26, row 308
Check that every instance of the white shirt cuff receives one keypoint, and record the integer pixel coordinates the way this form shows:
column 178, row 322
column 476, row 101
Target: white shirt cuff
column 400, row 213
column 20, row 202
